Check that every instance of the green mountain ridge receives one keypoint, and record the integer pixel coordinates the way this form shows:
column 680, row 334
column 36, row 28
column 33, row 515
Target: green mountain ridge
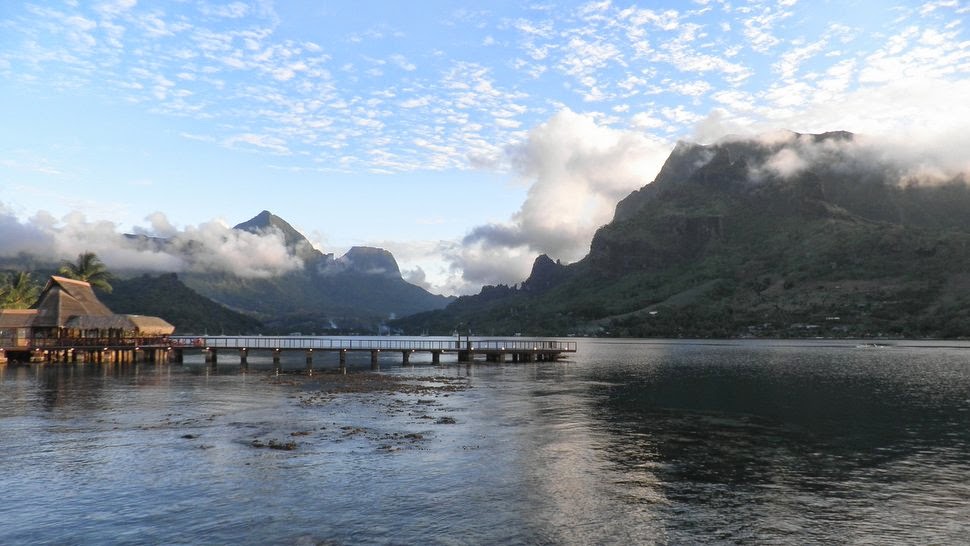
column 167, row 297
column 357, row 292
column 809, row 235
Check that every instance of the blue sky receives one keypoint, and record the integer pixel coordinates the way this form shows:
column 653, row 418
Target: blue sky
column 465, row 137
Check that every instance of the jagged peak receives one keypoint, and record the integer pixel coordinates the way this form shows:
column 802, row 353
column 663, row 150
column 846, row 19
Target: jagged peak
column 731, row 162
column 267, row 219
column 545, row 274
column 371, row 260
column 293, row 239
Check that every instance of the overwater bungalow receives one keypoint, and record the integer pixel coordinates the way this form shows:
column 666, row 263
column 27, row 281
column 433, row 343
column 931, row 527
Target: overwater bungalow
column 69, row 322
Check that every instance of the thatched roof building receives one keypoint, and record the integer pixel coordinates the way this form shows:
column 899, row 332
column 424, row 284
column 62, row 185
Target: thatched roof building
column 68, row 308
column 16, row 318
column 63, row 299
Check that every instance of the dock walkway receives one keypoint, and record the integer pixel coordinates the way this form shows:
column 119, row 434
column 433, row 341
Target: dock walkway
column 466, row 349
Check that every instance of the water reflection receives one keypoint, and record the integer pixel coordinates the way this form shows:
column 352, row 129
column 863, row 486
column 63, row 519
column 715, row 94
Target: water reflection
column 754, row 443
column 629, row 443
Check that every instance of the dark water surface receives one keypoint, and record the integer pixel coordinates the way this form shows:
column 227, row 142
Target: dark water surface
column 628, row 442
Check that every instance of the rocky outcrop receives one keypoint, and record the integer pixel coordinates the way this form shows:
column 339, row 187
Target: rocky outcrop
column 370, row 261
column 545, row 274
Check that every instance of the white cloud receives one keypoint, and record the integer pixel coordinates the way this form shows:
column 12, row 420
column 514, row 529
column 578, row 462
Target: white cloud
column 232, row 74
column 402, row 62
column 265, row 142
column 791, row 60
column 416, row 102
column 210, row 246
column 577, row 171
column 115, row 8
column 644, row 120
column 692, row 89
column 681, row 115
column 759, row 29
column 233, row 10
column 584, row 56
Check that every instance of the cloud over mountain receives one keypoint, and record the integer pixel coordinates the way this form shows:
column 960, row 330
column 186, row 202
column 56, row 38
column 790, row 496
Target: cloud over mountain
column 210, row 246
column 577, row 169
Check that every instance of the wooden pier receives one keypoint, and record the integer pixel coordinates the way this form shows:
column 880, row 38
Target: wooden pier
column 174, row 348
column 87, row 350
column 465, row 350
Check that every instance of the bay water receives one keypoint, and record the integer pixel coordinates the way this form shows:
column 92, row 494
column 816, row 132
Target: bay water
column 625, row 442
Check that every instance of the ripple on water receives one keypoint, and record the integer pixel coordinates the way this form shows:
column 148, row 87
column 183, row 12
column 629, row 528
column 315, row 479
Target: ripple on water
column 631, row 442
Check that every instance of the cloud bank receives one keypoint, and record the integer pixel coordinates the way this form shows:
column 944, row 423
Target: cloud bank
column 207, row 247
column 577, row 169
column 940, row 159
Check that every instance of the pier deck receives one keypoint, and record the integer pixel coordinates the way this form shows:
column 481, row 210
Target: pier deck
column 466, row 349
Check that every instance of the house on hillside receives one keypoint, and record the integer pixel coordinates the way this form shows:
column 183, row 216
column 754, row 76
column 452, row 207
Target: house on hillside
column 69, row 314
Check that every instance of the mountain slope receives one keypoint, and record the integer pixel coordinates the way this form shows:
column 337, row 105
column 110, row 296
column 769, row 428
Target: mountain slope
column 797, row 235
column 356, row 292
column 165, row 296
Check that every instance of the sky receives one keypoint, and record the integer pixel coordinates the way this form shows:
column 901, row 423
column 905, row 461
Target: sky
column 465, row 137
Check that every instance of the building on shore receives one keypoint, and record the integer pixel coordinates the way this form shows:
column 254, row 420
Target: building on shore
column 70, row 322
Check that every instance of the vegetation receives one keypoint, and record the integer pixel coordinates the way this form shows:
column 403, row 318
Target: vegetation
column 18, row 290
column 166, row 297
column 356, row 293
column 88, row 268
column 840, row 250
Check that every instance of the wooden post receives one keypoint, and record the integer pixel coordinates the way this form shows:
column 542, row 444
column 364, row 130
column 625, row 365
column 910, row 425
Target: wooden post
column 244, row 358
column 405, row 356
column 309, row 361
column 373, row 359
column 276, row 357
column 436, row 357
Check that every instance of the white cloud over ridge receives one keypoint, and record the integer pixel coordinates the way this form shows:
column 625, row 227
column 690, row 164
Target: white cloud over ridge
column 207, row 247
column 903, row 162
column 230, row 75
column 577, row 170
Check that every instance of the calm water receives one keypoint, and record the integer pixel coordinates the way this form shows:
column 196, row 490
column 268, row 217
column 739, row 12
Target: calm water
column 629, row 442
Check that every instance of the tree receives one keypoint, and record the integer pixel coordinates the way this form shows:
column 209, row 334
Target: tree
column 18, row 291
column 89, row 268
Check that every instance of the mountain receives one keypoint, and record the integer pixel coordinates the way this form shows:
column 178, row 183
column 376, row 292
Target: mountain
column 295, row 242
column 167, row 297
column 792, row 235
column 356, row 292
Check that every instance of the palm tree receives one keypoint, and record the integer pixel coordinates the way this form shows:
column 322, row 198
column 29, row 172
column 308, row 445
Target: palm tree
column 20, row 292
column 89, row 268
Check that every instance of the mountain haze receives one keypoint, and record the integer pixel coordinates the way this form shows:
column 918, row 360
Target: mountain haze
column 298, row 245
column 167, row 297
column 355, row 292
column 262, row 275
column 785, row 235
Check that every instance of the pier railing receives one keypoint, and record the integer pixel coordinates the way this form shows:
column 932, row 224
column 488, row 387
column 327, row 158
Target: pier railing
column 83, row 342
column 372, row 344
